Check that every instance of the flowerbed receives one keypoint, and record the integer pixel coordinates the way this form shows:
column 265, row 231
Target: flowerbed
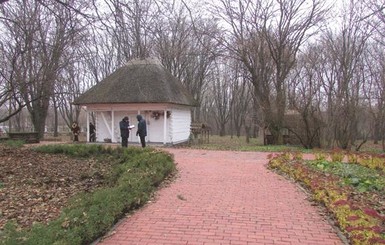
column 353, row 193
column 124, row 181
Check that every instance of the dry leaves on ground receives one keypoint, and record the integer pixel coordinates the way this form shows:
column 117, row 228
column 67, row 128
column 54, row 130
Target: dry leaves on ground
column 34, row 186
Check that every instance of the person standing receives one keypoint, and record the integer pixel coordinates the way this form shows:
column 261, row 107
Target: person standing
column 92, row 132
column 142, row 130
column 124, row 131
column 75, row 131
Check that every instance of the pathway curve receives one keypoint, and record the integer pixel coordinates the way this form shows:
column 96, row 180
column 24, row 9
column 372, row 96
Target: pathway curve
column 225, row 198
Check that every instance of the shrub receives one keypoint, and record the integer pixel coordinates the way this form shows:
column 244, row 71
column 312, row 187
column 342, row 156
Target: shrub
column 320, row 156
column 352, row 158
column 298, row 155
column 371, row 161
column 14, row 143
column 76, row 150
column 337, row 155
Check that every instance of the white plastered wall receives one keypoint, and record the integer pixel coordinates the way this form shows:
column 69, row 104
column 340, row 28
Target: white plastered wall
column 173, row 130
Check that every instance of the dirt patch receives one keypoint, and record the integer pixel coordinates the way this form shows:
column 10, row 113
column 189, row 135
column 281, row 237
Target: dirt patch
column 34, row 187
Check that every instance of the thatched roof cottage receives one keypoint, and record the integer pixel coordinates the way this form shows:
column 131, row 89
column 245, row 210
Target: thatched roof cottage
column 140, row 87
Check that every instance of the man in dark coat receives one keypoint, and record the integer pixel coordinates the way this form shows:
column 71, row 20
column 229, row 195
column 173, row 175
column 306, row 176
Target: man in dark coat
column 124, row 131
column 142, row 130
column 92, row 132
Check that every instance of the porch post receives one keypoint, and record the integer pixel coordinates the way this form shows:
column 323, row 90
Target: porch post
column 164, row 127
column 112, row 126
column 137, row 124
column 88, row 125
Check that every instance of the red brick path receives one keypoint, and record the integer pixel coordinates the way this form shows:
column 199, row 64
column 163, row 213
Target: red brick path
column 225, row 198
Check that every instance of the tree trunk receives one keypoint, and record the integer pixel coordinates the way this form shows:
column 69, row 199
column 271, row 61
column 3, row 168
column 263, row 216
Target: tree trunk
column 39, row 122
column 222, row 131
column 376, row 135
column 39, row 113
column 247, row 129
column 56, row 120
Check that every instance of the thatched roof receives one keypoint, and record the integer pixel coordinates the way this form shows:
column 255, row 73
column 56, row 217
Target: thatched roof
column 140, row 81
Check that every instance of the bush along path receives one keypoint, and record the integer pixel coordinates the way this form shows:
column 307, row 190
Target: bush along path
column 133, row 177
column 353, row 192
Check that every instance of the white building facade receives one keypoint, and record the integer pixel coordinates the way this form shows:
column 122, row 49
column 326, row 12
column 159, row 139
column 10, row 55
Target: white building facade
column 166, row 124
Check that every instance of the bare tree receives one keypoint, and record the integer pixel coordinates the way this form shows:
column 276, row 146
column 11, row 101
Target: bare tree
column 374, row 91
column 241, row 90
column 187, row 47
column 201, row 63
column 10, row 97
column 173, row 40
column 129, row 24
column 67, row 5
column 67, row 90
column 222, row 98
column 343, row 80
column 268, row 36
column 244, row 42
column 292, row 24
column 376, row 17
column 305, row 98
column 229, row 97
column 99, row 57
column 41, row 38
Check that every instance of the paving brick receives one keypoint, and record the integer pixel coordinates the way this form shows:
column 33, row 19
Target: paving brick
column 228, row 198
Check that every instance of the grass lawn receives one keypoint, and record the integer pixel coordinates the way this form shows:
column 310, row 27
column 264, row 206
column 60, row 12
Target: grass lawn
column 234, row 143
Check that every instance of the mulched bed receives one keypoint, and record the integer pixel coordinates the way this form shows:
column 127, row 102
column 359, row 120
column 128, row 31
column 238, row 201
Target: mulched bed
column 34, row 187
